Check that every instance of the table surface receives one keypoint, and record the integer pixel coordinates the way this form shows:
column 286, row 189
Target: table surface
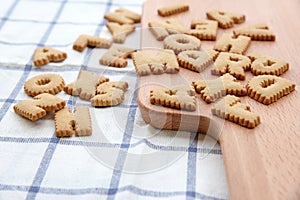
column 124, row 158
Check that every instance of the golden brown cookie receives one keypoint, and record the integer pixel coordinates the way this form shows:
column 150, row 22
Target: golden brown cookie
column 92, row 41
column 79, row 121
column 194, row 60
column 204, row 29
column 44, row 83
column 234, row 64
column 179, row 97
column 225, row 19
column 155, row 62
column 211, row 90
column 231, row 108
column 173, row 9
column 258, row 31
column 119, row 31
column 229, row 43
column 264, row 64
column 181, row 42
column 116, row 56
column 85, row 85
column 161, row 29
column 39, row 106
column 44, row 55
column 123, row 16
column 268, row 88
column 109, row 94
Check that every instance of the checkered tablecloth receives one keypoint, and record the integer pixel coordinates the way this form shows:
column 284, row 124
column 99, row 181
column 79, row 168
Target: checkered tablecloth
column 124, row 158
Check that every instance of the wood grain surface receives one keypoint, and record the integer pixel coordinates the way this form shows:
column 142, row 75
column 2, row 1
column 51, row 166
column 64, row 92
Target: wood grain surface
column 261, row 163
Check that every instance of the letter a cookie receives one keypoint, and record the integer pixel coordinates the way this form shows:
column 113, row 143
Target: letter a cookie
column 44, row 55
column 231, row 108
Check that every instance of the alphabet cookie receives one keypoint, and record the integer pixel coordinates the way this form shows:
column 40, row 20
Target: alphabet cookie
column 116, row 56
column 179, row 97
column 181, row 42
column 234, row 64
column 258, row 31
column 39, row 106
column 79, row 122
column 264, row 64
column 85, row 85
column 44, row 83
column 161, row 29
column 109, row 94
column 229, row 43
column 231, row 108
column 267, row 89
column 120, row 31
column 155, row 62
column 123, row 16
column 211, row 90
column 204, row 29
column 194, row 60
column 173, row 9
column 93, row 41
column 44, row 55
column 225, row 19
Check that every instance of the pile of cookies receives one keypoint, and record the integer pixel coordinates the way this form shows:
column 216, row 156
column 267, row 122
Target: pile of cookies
column 183, row 48
column 88, row 86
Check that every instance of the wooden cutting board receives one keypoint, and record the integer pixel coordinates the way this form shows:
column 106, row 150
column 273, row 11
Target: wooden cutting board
column 261, row 163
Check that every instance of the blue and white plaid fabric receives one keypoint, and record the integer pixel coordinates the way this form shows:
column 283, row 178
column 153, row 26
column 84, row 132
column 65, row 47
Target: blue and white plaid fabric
column 124, row 158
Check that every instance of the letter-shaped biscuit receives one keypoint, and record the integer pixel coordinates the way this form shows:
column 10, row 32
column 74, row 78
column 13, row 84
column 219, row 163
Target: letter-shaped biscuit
column 204, row 29
column 120, row 32
column 264, row 64
column 123, row 16
column 234, row 64
column 44, row 83
column 85, row 85
column 79, row 121
column 161, row 29
column 267, row 89
column 194, row 60
column 179, row 97
column 229, row 43
column 211, row 90
column 163, row 61
column 44, row 55
column 225, row 19
column 173, row 9
column 109, row 94
column 256, row 32
column 116, row 56
column 231, row 108
column 93, row 41
column 181, row 42
column 38, row 107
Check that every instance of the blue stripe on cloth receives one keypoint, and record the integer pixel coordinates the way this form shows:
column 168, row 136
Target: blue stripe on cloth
column 117, row 172
column 104, row 191
column 191, row 168
column 8, row 13
column 214, row 151
column 39, row 176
